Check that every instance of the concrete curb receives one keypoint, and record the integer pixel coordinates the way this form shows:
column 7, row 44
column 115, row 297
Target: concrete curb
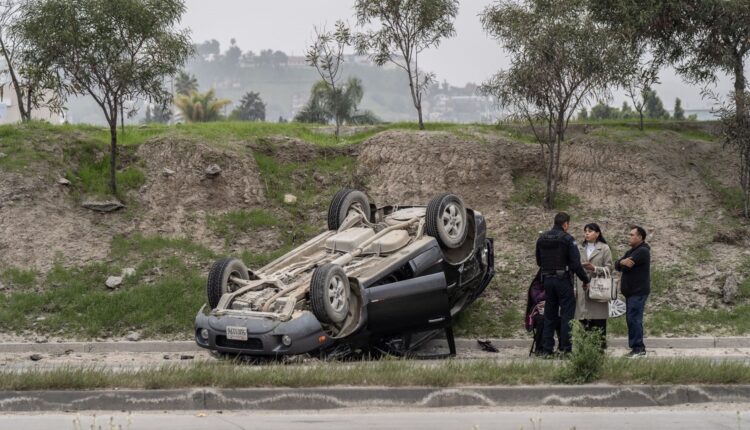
column 461, row 344
column 338, row 397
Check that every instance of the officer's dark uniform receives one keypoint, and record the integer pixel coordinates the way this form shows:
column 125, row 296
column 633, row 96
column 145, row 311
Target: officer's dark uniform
column 557, row 256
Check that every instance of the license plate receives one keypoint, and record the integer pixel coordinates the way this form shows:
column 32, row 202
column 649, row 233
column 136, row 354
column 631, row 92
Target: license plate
column 237, row 333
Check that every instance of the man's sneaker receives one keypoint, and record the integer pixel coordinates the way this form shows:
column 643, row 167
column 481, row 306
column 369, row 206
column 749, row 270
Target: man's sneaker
column 635, row 354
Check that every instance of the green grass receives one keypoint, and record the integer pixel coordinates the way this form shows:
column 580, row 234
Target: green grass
column 18, row 278
column 234, row 223
column 279, row 179
column 731, row 198
column 529, row 191
column 79, row 303
column 389, row 373
column 482, row 319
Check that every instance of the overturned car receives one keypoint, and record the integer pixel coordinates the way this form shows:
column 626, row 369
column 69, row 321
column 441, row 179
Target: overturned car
column 378, row 278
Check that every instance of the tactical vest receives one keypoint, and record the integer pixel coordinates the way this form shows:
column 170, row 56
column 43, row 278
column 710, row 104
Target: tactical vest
column 553, row 251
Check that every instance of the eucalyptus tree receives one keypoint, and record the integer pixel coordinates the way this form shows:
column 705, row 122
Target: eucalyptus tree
column 326, row 55
column 560, row 59
column 406, row 29
column 700, row 38
column 113, row 51
column 29, row 83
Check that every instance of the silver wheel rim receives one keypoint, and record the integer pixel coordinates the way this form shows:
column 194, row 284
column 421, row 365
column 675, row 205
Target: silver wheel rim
column 453, row 221
column 337, row 294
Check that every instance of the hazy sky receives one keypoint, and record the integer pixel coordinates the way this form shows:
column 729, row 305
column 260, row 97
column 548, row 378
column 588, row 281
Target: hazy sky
column 287, row 25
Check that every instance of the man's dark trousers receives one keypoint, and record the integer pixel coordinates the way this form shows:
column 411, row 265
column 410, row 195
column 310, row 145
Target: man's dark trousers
column 634, row 317
column 559, row 310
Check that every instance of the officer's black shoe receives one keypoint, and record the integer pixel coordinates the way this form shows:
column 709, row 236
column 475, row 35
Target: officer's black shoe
column 546, row 355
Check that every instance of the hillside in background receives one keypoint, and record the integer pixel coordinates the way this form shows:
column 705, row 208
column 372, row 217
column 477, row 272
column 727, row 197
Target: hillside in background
column 284, row 84
column 675, row 179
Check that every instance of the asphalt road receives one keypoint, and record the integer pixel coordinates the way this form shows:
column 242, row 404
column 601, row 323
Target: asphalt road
column 714, row 416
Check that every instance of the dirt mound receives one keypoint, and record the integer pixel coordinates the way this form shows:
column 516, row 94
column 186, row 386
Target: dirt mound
column 412, row 167
column 41, row 224
column 179, row 191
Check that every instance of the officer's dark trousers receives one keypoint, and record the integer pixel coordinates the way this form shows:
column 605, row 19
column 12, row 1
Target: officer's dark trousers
column 558, row 312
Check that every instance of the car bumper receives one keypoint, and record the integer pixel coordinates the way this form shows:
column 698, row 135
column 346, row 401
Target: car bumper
column 265, row 336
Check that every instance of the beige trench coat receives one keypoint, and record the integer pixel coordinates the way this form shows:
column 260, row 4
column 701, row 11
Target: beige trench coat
column 600, row 258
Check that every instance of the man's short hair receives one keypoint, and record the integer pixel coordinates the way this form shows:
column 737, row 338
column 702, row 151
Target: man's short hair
column 561, row 218
column 641, row 231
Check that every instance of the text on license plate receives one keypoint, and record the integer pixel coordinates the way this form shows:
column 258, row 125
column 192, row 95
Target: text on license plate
column 236, row 333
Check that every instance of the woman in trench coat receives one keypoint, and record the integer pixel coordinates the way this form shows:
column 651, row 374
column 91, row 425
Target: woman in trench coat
column 595, row 258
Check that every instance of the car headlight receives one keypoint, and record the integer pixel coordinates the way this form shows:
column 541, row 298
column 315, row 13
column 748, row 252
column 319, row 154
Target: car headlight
column 204, row 334
column 484, row 255
column 286, row 340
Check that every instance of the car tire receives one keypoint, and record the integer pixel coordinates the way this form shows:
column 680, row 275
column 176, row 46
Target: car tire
column 342, row 202
column 446, row 220
column 329, row 294
column 218, row 278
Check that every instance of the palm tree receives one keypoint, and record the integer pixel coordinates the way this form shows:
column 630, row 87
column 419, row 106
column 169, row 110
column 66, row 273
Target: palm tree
column 326, row 103
column 185, row 84
column 200, row 107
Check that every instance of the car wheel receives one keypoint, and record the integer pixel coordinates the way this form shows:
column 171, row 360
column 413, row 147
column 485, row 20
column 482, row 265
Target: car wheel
column 219, row 282
column 342, row 203
column 447, row 220
column 329, row 294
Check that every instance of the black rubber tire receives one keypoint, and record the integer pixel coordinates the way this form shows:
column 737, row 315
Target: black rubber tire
column 322, row 298
column 218, row 278
column 434, row 223
column 342, row 202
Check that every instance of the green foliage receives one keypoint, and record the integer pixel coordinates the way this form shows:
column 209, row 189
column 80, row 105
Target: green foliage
column 584, row 364
column 113, row 51
column 560, row 59
column 679, row 112
column 201, row 107
column 159, row 114
column 251, row 108
column 654, row 108
column 18, row 278
column 185, row 84
column 406, row 29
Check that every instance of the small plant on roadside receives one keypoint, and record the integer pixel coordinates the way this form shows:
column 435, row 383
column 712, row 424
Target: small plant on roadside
column 585, row 362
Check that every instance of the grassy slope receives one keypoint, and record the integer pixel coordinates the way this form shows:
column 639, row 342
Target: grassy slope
column 169, row 280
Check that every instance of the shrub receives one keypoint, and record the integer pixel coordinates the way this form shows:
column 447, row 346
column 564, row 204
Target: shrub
column 587, row 359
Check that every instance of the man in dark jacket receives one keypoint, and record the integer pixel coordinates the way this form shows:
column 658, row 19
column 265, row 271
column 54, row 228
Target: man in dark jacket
column 635, row 285
column 558, row 258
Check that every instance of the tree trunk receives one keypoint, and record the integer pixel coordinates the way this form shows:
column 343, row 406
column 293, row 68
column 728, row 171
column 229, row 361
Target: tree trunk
column 640, row 124
column 419, row 113
column 549, row 194
column 742, row 121
column 113, row 154
column 739, row 89
column 338, row 126
column 24, row 111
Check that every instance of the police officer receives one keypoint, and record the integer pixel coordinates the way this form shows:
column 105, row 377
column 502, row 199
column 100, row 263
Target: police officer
column 558, row 258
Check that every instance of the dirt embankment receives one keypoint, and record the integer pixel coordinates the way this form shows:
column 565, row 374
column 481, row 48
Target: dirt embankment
column 658, row 179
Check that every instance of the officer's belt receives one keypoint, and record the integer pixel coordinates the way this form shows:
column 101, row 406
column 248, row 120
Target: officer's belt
column 558, row 273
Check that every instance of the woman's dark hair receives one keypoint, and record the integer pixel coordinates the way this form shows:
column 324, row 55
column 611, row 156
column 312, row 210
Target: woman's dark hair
column 595, row 227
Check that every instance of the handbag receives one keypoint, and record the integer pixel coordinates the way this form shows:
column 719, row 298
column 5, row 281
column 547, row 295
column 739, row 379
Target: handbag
column 603, row 288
